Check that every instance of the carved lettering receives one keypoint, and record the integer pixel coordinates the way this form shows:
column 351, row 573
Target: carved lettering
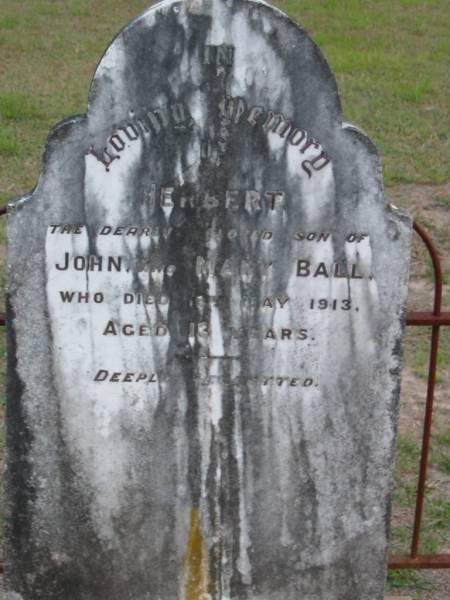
column 218, row 56
column 104, row 157
column 130, row 329
column 305, row 269
column 152, row 121
column 104, row 375
column 131, row 132
column 277, row 123
column 317, row 164
column 312, row 236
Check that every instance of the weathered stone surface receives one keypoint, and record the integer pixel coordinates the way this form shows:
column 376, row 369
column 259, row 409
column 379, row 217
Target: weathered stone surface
column 206, row 295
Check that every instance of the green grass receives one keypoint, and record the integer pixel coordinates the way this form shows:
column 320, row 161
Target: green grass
column 49, row 51
column 414, row 92
column 439, row 455
column 400, row 540
column 406, row 467
column 417, row 351
column 401, row 578
column 16, row 106
column 408, row 453
column 9, row 22
column 443, row 437
column 436, row 517
column 45, row 9
column 8, row 142
column 17, row 113
column 442, row 201
column 399, row 96
column 438, row 514
column 430, row 272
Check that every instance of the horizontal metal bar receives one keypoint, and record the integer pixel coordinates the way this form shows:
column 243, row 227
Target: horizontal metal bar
column 427, row 318
column 424, row 561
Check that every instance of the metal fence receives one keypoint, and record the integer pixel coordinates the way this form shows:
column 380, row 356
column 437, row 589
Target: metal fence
column 434, row 319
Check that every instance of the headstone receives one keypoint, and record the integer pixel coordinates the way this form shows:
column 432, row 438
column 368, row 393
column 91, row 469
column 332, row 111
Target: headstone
column 206, row 300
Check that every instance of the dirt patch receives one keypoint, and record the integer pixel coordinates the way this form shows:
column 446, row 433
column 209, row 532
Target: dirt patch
column 430, row 206
column 437, row 583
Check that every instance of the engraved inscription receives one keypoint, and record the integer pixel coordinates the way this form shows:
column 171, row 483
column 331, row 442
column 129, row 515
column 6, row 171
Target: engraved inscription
column 152, row 303
column 219, row 56
column 232, row 112
column 149, row 123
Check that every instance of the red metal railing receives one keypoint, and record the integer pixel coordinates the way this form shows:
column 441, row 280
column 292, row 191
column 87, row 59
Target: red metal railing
column 434, row 319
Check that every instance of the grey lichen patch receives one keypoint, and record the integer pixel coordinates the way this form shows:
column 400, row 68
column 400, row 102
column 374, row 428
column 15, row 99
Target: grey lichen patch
column 205, row 327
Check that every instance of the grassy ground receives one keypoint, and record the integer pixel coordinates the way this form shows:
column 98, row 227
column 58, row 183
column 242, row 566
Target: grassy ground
column 391, row 62
column 390, row 57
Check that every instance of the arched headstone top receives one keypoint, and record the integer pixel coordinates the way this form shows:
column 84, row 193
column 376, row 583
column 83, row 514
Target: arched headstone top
column 257, row 42
column 168, row 53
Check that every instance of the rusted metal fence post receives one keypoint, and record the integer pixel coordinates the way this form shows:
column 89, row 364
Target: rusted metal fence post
column 435, row 319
